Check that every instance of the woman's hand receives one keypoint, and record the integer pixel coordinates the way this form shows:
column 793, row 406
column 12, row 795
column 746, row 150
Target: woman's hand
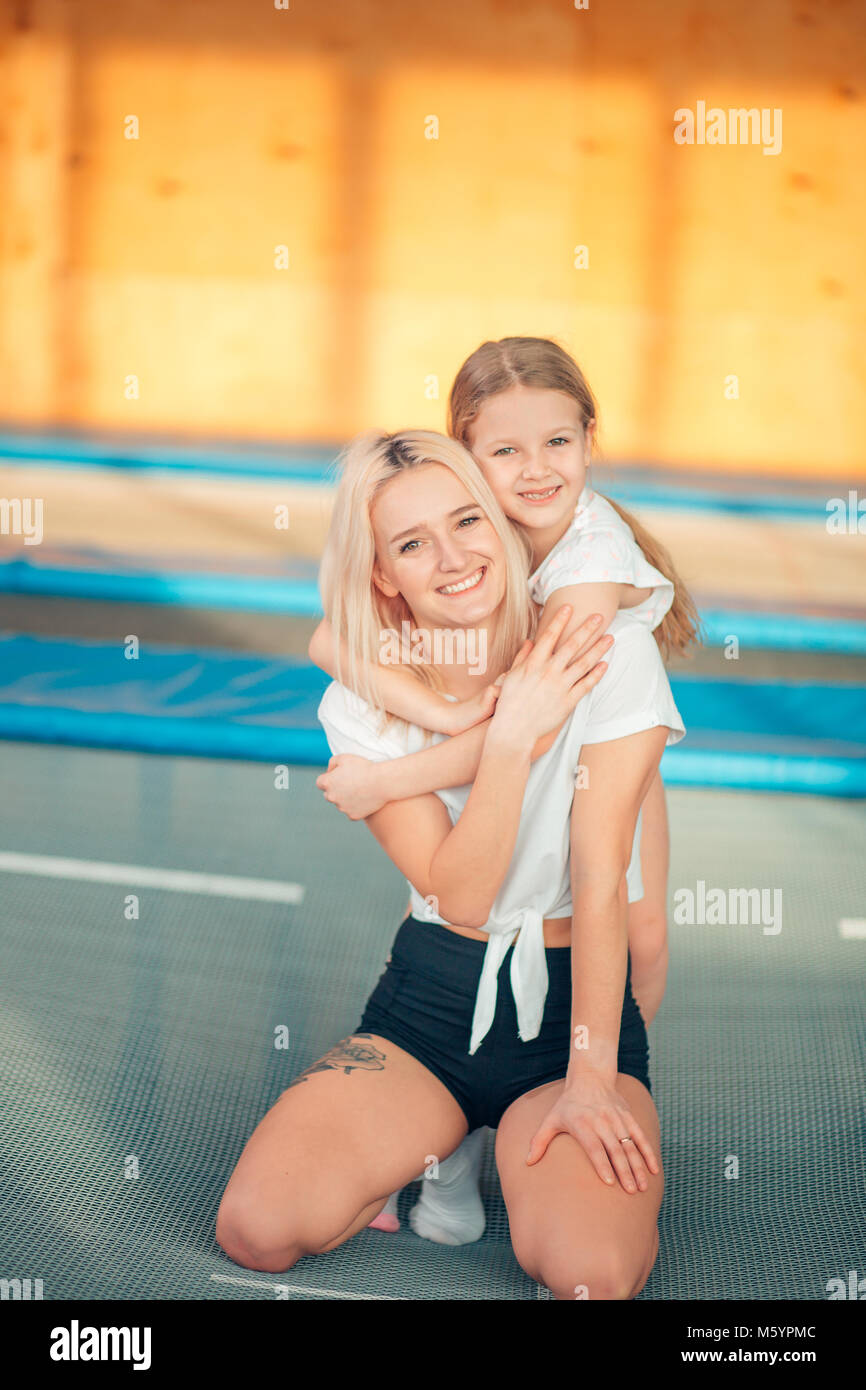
column 353, row 785
column 594, row 1113
column 549, row 678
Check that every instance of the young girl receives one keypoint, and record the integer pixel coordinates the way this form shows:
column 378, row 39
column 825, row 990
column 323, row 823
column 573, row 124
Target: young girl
column 523, row 408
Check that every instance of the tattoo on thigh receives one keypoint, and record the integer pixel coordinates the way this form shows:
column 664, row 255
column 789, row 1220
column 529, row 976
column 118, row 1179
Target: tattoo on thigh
column 345, row 1056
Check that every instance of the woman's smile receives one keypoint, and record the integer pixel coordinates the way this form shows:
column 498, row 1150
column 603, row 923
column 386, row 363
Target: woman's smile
column 463, row 586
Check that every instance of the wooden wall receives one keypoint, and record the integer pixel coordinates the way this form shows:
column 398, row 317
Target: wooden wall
column 154, row 258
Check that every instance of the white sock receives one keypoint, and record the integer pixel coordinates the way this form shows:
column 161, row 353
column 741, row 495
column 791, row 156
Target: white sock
column 449, row 1209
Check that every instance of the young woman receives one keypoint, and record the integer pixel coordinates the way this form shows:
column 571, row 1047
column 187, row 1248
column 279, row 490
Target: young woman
column 450, row 1040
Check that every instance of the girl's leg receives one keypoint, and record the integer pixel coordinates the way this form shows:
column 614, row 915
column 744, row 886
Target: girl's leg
column 355, row 1126
column 387, row 1220
column 570, row 1230
column 450, row 1210
column 647, row 919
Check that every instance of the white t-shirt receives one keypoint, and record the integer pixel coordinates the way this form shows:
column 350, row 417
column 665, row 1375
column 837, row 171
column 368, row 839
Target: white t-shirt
column 632, row 695
column 599, row 547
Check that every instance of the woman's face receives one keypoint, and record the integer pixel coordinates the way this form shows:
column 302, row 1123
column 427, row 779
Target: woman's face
column 436, row 546
column 532, row 448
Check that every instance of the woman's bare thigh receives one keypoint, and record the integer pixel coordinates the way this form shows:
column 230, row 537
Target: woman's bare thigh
column 354, row 1127
column 570, row 1230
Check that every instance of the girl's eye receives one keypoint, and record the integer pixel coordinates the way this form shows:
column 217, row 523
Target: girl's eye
column 506, row 449
column 559, row 440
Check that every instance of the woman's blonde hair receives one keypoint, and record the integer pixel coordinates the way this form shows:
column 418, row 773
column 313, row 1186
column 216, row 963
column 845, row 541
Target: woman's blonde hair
column 357, row 610
column 543, row 364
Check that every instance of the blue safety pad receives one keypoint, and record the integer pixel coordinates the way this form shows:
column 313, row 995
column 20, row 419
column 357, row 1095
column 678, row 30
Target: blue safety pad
column 793, row 737
column 642, row 486
column 307, row 464
column 290, row 586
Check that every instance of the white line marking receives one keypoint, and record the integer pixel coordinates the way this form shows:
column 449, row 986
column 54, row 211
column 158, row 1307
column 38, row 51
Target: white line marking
column 307, row 1288
column 853, row 928
column 174, row 880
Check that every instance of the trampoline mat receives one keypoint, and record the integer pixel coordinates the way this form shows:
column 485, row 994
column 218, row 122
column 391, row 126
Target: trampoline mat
column 138, row 1055
column 786, row 736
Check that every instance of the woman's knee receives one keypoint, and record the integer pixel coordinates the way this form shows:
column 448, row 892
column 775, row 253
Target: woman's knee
column 572, row 1274
column 255, row 1238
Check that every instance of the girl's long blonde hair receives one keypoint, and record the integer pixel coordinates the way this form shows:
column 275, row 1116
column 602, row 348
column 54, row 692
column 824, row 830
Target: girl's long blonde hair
column 357, row 610
column 543, row 364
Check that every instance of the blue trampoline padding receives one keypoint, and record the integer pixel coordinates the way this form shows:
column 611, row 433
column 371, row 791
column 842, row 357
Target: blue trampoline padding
column 785, row 632
column 755, row 734
column 296, row 596
column 645, row 486
column 816, row 776
column 295, row 593
column 787, row 718
column 290, row 463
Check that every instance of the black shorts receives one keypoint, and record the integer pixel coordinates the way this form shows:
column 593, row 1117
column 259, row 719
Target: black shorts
column 425, row 1000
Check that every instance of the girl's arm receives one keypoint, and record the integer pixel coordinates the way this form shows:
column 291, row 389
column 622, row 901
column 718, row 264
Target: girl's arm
column 402, row 694
column 463, row 866
column 603, row 598
column 604, row 815
column 360, row 787
column 584, row 599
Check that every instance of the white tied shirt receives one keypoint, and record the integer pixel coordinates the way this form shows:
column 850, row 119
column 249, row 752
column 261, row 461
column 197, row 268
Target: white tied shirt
column 632, row 695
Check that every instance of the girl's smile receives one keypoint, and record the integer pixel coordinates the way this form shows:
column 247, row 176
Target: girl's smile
column 536, row 499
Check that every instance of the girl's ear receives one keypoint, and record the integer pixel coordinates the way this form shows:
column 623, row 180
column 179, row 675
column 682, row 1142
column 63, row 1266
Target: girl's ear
column 589, row 433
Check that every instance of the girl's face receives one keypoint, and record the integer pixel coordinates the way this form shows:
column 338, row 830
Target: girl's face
column 437, row 547
column 533, row 450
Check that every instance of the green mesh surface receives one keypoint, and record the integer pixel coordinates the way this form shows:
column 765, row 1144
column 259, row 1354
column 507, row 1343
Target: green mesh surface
column 153, row 1038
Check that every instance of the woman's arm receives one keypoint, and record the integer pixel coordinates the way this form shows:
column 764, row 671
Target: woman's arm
column 402, row 694
column 604, row 814
column 463, row 866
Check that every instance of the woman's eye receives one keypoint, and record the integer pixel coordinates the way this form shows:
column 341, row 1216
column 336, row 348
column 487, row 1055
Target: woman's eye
column 468, row 518
column 405, row 546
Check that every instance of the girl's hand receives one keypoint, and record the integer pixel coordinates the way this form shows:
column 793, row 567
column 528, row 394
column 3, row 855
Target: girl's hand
column 353, row 785
column 549, row 678
column 464, row 714
column 594, row 1113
